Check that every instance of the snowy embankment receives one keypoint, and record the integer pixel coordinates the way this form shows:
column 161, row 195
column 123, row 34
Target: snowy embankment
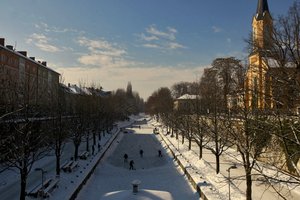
column 201, row 175
column 216, row 186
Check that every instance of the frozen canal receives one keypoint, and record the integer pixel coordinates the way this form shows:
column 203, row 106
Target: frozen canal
column 160, row 176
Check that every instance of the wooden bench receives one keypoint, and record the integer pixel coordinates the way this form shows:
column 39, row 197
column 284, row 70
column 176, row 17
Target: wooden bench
column 84, row 155
column 49, row 187
column 68, row 166
column 38, row 190
column 73, row 166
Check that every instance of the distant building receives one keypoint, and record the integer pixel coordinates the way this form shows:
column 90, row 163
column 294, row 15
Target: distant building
column 24, row 81
column 186, row 103
column 72, row 92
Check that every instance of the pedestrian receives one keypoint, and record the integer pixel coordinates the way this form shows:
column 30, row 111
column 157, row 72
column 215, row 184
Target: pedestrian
column 93, row 149
column 159, row 153
column 131, row 165
column 141, row 153
column 125, row 158
column 99, row 147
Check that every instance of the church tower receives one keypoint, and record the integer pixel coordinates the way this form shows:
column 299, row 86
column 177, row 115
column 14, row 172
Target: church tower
column 256, row 88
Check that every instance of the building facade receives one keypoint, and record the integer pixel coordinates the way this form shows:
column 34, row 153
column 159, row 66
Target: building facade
column 186, row 104
column 257, row 94
column 25, row 81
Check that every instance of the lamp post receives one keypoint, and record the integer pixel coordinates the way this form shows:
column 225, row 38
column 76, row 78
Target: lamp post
column 231, row 167
column 43, row 172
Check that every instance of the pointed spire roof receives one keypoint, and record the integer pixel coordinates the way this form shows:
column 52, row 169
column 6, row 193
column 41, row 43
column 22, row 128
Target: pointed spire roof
column 262, row 7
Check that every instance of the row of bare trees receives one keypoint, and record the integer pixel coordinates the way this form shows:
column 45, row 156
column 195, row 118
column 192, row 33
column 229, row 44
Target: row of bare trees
column 30, row 130
column 220, row 118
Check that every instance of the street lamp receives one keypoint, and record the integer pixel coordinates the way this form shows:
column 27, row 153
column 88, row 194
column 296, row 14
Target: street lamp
column 231, row 167
column 43, row 172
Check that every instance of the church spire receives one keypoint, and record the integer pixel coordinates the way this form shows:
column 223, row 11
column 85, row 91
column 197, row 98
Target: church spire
column 262, row 7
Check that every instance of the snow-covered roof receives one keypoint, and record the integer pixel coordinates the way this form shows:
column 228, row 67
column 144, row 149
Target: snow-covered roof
column 74, row 89
column 188, row 96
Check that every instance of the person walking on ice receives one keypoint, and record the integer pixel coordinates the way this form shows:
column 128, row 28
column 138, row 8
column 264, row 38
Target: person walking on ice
column 159, row 153
column 131, row 165
column 141, row 153
column 125, row 158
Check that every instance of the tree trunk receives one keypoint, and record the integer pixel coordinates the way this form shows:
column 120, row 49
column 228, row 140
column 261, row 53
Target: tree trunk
column 24, row 174
column 87, row 141
column 217, row 153
column 57, row 155
column 99, row 135
column 249, row 185
column 217, row 163
column 200, row 148
column 190, row 143
column 94, row 137
column 76, row 151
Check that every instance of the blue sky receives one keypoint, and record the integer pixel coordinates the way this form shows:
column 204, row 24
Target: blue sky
column 152, row 43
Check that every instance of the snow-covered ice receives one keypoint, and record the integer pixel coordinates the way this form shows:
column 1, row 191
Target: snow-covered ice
column 160, row 176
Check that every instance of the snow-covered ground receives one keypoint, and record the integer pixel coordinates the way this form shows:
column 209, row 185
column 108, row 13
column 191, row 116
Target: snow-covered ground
column 160, row 177
column 217, row 186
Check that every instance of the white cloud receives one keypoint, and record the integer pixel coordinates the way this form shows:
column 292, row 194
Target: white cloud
column 216, row 29
column 103, row 54
column 102, row 47
column 164, row 40
column 148, row 38
column 45, row 27
column 170, row 35
column 154, row 46
column 175, row 45
column 172, row 30
column 42, row 42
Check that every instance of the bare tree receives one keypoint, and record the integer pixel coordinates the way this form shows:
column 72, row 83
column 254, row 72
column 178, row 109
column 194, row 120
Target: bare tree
column 58, row 127
column 160, row 103
column 212, row 94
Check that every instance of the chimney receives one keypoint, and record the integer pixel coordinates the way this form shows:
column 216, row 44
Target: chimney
column 24, row 53
column 32, row 58
column 2, row 41
column 44, row 63
column 10, row 47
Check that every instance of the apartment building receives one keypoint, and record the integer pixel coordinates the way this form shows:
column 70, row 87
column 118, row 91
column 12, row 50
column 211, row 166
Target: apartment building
column 24, row 81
